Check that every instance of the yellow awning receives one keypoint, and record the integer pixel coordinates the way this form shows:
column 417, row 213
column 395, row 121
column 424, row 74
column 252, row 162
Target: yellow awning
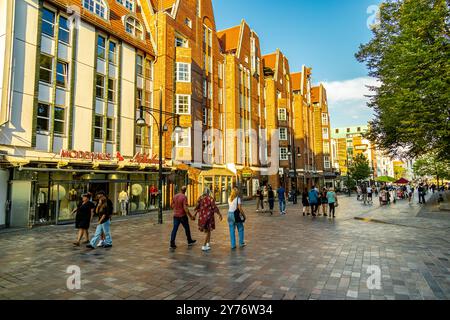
column 217, row 172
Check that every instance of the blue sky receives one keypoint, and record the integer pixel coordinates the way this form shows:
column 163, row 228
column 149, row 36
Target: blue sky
column 322, row 34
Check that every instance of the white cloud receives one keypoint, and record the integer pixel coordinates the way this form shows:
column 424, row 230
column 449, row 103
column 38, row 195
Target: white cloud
column 348, row 102
column 349, row 90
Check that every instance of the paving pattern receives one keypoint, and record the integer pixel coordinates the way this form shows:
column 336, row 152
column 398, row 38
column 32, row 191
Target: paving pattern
column 290, row 257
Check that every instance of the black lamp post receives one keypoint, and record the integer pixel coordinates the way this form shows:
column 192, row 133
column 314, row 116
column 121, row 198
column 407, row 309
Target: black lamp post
column 162, row 128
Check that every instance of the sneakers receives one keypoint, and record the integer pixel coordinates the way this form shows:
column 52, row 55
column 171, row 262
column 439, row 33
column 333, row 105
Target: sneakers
column 76, row 244
column 243, row 245
column 100, row 243
column 89, row 246
column 107, row 246
column 206, row 248
column 193, row 242
column 172, row 247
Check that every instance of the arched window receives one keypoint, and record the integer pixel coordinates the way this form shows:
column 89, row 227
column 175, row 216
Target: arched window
column 129, row 4
column 97, row 6
column 134, row 27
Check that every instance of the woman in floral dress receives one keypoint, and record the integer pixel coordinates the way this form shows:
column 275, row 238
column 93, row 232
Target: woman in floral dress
column 206, row 208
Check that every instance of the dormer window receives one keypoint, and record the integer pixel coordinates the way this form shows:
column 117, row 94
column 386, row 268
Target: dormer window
column 188, row 22
column 129, row 4
column 97, row 7
column 134, row 27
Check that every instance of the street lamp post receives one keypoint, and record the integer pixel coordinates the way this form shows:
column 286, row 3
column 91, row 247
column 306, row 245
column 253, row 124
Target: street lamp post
column 162, row 128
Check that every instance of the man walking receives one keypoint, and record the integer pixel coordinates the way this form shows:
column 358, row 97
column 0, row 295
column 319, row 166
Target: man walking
column 259, row 199
column 282, row 200
column 421, row 191
column 364, row 193
column 313, row 196
column 180, row 216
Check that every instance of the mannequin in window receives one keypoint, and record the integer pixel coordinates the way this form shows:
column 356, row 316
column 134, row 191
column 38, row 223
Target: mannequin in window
column 153, row 194
column 42, row 206
column 123, row 200
column 73, row 198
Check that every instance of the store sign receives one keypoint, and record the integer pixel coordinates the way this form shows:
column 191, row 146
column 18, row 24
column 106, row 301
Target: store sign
column 247, row 173
column 139, row 158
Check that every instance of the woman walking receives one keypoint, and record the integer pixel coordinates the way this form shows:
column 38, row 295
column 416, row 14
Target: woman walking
column 104, row 224
column 332, row 202
column 83, row 218
column 206, row 208
column 235, row 210
column 305, row 202
column 324, row 201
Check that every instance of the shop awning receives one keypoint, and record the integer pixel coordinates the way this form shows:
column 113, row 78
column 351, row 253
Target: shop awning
column 217, row 172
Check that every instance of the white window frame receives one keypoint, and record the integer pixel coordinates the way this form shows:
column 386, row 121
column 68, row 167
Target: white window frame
column 99, row 127
column 324, row 119
column 65, row 74
column 284, row 154
column 47, row 70
column 181, row 42
column 63, row 121
column 326, row 147
column 177, row 136
column 97, row 7
column 62, row 29
column 183, row 75
column 133, row 26
column 110, row 130
column 52, row 23
column 326, row 162
column 112, row 55
column 325, row 133
column 47, row 118
column 178, row 98
column 129, row 4
column 283, row 137
column 98, row 87
column 282, row 114
column 112, row 90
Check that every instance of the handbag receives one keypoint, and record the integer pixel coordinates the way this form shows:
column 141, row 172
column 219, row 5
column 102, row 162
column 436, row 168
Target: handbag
column 238, row 217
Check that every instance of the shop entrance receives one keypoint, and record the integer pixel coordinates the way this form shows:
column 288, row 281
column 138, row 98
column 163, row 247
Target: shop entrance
column 95, row 187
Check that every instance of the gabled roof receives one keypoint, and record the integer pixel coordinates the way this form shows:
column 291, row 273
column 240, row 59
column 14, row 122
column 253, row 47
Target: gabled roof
column 229, row 38
column 162, row 4
column 115, row 24
column 315, row 94
column 270, row 61
column 296, row 79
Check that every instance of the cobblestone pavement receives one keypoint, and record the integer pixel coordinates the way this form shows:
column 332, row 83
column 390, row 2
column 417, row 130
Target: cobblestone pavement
column 287, row 257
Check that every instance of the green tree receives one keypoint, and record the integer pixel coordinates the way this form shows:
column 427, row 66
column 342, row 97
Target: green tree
column 359, row 169
column 410, row 56
column 431, row 165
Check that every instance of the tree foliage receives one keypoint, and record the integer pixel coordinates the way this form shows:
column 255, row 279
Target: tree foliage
column 410, row 56
column 359, row 169
column 430, row 165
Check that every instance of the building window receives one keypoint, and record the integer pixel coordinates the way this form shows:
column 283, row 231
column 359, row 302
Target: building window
column 188, row 22
column 326, row 162
column 326, row 148
column 43, row 117
column 98, row 127
column 61, row 74
column 282, row 114
column 129, row 4
column 64, row 33
column 183, row 138
column 134, row 27
column 279, row 94
column 205, row 116
column 283, row 134
column 183, row 72
column 97, row 7
column 110, row 129
column 48, row 22
column 112, row 56
column 181, row 42
column 183, row 104
column 59, row 120
column 111, row 90
column 325, row 133
column 139, row 65
column 45, row 69
column 284, row 154
column 324, row 119
column 139, row 97
column 100, row 87
column 220, row 71
column 101, row 47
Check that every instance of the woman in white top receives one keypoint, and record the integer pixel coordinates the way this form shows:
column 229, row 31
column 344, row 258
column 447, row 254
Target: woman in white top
column 235, row 203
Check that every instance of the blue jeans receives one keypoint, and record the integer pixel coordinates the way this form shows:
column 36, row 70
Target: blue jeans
column 233, row 225
column 282, row 204
column 102, row 228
